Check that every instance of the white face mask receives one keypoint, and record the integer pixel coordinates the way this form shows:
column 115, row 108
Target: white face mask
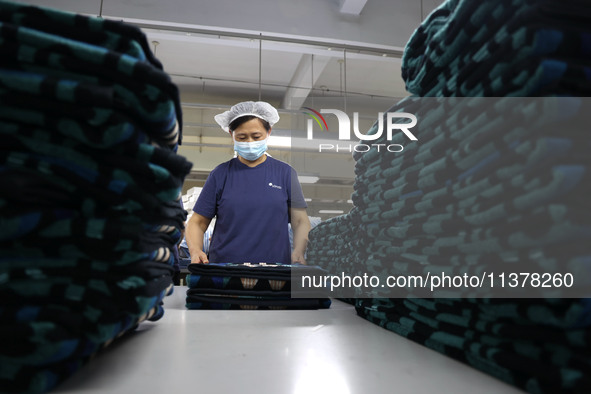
column 251, row 150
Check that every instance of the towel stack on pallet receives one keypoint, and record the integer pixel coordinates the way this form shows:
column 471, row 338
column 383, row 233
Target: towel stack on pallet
column 495, row 182
column 89, row 208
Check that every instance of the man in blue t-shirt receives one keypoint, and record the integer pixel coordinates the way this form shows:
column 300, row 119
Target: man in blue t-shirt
column 253, row 197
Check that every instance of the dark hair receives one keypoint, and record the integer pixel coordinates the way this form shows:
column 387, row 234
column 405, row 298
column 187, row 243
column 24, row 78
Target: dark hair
column 243, row 119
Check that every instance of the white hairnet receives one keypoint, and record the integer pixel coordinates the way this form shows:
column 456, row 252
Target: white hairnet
column 260, row 109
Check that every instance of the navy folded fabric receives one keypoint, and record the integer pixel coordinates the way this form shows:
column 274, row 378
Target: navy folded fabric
column 252, row 286
column 253, row 302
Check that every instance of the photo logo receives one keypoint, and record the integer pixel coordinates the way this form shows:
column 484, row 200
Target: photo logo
column 345, row 130
column 317, row 117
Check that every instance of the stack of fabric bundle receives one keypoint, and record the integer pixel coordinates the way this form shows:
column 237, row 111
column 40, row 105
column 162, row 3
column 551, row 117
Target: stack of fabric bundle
column 89, row 210
column 254, row 286
column 333, row 244
column 495, row 183
column 541, row 346
column 504, row 48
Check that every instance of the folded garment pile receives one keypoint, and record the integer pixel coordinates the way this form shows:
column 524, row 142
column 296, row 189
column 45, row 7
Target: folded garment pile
column 480, row 194
column 537, row 345
column 255, row 286
column 494, row 183
column 500, row 48
column 89, row 210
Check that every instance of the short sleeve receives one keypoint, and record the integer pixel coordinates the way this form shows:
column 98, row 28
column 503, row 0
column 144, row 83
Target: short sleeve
column 296, row 196
column 206, row 204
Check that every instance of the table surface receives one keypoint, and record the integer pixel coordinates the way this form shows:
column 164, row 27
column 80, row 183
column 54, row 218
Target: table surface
column 320, row 351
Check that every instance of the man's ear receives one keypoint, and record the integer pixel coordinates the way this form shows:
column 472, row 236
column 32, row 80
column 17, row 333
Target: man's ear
column 269, row 132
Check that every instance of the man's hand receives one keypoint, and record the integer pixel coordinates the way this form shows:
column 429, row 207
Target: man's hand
column 196, row 227
column 298, row 257
column 300, row 225
column 199, row 258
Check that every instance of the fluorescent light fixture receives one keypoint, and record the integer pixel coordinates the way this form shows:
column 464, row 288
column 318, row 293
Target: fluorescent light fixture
column 304, row 143
column 349, row 201
column 314, row 144
column 307, row 199
column 337, row 212
column 308, row 179
column 279, row 142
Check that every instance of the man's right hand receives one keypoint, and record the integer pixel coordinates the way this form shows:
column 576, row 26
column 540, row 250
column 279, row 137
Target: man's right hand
column 199, row 258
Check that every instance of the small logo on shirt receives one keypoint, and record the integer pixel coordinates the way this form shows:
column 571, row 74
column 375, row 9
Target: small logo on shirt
column 275, row 186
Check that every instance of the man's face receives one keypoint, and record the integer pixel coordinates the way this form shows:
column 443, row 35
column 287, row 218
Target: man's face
column 250, row 131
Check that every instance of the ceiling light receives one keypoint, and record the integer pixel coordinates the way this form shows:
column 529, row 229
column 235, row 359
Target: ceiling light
column 336, row 212
column 307, row 199
column 308, row 179
column 277, row 141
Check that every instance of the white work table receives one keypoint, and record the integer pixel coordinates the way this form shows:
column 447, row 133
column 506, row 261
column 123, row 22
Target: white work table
column 272, row 352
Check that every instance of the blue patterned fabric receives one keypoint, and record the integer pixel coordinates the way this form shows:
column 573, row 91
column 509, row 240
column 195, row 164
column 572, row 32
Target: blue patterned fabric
column 252, row 286
column 89, row 210
column 496, row 180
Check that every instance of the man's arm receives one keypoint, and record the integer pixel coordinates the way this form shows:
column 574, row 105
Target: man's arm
column 196, row 228
column 300, row 225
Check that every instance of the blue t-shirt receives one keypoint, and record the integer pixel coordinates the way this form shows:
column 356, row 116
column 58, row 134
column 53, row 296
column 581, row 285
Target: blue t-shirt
column 252, row 208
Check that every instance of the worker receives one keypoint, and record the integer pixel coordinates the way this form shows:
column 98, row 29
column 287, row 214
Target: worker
column 253, row 197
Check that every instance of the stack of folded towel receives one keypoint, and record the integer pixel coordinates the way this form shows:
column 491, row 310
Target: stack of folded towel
column 89, row 208
column 496, row 182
